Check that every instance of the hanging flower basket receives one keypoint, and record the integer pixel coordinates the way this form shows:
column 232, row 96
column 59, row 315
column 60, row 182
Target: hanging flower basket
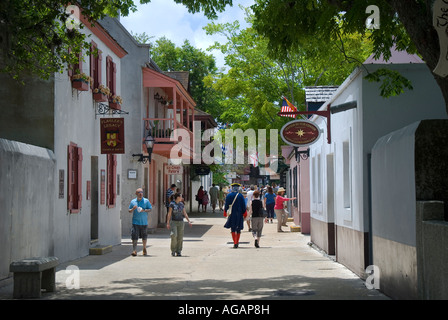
column 80, row 85
column 81, row 82
column 115, row 102
column 101, row 94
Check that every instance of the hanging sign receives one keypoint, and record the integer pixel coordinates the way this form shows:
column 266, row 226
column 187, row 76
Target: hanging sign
column 174, row 169
column 112, row 135
column 300, row 133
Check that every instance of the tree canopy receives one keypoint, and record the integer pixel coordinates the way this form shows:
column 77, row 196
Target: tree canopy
column 34, row 39
column 407, row 25
column 256, row 80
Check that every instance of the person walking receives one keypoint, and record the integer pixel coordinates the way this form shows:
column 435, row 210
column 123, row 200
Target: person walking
column 175, row 223
column 213, row 192
column 279, row 208
column 199, row 197
column 269, row 203
column 139, row 207
column 249, row 197
column 169, row 193
column 257, row 217
column 235, row 222
column 205, row 201
column 221, row 197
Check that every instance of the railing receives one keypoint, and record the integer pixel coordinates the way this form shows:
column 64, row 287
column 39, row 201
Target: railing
column 162, row 128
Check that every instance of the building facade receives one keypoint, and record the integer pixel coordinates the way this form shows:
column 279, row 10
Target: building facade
column 73, row 187
column 340, row 174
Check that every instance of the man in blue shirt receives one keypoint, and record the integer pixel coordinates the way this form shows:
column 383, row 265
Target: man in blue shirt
column 139, row 207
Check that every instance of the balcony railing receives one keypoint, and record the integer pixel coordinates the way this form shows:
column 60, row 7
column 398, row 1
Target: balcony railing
column 162, row 128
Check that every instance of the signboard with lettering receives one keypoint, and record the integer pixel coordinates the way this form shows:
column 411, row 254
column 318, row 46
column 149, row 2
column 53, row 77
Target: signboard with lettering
column 112, row 135
column 174, row 169
column 300, row 133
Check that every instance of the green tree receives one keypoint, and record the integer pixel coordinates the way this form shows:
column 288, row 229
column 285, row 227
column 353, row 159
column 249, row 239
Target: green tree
column 198, row 63
column 34, row 38
column 256, row 80
column 408, row 25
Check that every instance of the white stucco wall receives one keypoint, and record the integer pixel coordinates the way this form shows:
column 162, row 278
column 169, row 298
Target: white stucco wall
column 75, row 121
column 393, row 186
column 26, row 215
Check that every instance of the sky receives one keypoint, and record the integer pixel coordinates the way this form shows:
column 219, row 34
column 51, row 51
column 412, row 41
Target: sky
column 167, row 18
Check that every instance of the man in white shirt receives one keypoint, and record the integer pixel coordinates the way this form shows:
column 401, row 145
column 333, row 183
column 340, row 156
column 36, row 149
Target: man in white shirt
column 249, row 197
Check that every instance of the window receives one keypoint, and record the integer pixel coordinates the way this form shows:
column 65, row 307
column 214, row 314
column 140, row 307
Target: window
column 74, row 178
column 111, row 75
column 95, row 65
column 75, row 68
column 319, row 179
column 347, row 174
column 111, row 180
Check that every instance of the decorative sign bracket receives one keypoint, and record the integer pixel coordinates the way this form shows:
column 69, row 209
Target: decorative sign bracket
column 326, row 114
column 103, row 109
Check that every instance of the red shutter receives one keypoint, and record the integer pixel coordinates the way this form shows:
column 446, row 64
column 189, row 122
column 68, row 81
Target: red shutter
column 93, row 62
column 108, row 74
column 79, row 65
column 79, row 178
column 99, row 70
column 114, row 179
column 70, row 177
column 111, row 180
column 114, row 78
column 69, row 66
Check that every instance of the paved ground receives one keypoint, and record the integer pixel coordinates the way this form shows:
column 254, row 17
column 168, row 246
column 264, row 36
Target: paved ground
column 285, row 267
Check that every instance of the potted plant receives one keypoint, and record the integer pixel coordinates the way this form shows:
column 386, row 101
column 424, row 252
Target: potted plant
column 81, row 81
column 101, row 94
column 115, row 102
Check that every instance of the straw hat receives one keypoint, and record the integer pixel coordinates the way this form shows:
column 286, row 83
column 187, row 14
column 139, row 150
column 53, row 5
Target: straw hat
column 281, row 189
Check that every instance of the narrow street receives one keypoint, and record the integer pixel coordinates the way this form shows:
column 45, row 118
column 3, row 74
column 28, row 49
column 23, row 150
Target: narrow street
column 284, row 267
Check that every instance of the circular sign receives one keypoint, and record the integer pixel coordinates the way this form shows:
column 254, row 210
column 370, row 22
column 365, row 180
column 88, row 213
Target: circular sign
column 300, row 133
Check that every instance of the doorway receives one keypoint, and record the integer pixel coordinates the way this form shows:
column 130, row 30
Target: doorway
column 331, row 225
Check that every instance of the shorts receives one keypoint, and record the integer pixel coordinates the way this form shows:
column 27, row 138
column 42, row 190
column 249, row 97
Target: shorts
column 138, row 231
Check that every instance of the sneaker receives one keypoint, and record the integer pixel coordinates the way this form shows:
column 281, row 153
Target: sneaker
column 173, row 253
column 134, row 253
column 179, row 254
column 256, row 244
column 235, row 245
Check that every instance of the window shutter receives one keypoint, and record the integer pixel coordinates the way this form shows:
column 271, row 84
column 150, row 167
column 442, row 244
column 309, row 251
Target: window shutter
column 114, row 78
column 79, row 178
column 79, row 65
column 114, row 179
column 70, row 157
column 93, row 67
column 99, row 69
column 109, row 179
column 108, row 74
column 69, row 66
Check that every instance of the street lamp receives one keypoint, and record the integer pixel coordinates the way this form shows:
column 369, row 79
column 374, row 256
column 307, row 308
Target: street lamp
column 149, row 143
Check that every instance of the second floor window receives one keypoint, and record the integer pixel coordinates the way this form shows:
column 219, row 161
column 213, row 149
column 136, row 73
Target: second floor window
column 95, row 65
column 111, row 75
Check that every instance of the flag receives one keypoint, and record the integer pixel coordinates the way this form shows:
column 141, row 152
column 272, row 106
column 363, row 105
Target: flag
column 254, row 159
column 288, row 107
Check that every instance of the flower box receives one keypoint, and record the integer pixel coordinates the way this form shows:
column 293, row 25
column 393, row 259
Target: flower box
column 100, row 97
column 80, row 85
column 115, row 105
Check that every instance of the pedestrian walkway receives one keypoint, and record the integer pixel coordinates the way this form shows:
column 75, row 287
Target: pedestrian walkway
column 284, row 267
